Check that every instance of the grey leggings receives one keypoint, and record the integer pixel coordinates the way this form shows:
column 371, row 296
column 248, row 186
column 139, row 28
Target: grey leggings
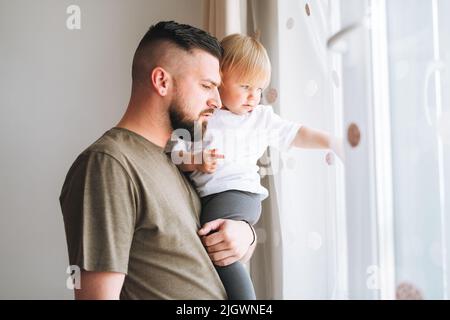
column 236, row 205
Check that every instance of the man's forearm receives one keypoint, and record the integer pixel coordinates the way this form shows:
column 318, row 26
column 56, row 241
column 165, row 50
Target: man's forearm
column 252, row 247
column 100, row 286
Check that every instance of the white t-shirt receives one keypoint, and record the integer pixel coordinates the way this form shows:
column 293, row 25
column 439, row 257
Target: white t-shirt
column 242, row 139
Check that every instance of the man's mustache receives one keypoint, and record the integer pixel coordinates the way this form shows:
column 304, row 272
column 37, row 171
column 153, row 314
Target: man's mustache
column 207, row 112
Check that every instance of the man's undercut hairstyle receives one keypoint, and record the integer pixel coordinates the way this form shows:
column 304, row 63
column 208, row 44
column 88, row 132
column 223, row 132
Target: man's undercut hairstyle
column 182, row 36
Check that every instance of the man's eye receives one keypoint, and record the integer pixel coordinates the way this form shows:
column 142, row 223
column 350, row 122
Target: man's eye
column 206, row 86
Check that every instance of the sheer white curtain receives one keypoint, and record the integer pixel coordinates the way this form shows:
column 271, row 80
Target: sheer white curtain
column 310, row 182
column 300, row 231
column 223, row 17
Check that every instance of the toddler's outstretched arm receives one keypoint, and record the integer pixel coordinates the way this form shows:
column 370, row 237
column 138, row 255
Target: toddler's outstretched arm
column 308, row 138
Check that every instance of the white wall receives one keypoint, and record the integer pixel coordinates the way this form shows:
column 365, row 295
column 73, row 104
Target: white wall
column 59, row 91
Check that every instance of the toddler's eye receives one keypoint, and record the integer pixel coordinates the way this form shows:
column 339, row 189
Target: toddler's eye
column 245, row 87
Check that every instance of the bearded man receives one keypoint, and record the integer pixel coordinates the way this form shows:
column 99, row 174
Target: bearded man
column 131, row 218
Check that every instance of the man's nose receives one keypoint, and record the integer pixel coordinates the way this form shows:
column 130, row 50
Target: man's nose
column 215, row 102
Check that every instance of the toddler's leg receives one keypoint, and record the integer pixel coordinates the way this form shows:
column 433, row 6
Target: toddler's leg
column 233, row 204
column 237, row 282
column 236, row 205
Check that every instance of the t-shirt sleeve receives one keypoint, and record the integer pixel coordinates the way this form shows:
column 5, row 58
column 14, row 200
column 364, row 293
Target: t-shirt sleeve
column 99, row 211
column 281, row 132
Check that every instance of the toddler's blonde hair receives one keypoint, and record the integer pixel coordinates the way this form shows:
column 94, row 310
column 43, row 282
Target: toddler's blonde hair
column 247, row 58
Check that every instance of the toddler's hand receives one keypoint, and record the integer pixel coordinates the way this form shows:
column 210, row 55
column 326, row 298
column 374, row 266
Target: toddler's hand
column 209, row 161
column 337, row 145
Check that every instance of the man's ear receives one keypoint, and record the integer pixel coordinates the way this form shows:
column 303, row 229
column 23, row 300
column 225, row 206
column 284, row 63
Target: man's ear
column 161, row 81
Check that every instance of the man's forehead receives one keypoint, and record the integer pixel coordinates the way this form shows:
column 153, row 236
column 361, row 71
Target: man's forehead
column 205, row 65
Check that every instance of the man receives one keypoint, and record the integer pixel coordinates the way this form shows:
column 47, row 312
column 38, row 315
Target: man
column 131, row 218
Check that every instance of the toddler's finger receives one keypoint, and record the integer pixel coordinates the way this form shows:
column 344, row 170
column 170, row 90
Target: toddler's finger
column 219, row 156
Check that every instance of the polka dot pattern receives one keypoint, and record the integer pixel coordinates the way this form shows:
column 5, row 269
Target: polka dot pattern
column 272, row 95
column 353, row 135
column 307, row 10
column 407, row 291
column 330, row 158
column 290, row 23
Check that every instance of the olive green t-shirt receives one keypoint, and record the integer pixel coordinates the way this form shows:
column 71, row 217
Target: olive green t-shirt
column 128, row 209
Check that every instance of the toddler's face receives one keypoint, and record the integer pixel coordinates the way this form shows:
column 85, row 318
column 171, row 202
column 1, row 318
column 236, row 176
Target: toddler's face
column 239, row 97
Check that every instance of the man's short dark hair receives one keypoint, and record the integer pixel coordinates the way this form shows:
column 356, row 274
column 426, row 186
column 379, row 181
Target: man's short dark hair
column 182, row 36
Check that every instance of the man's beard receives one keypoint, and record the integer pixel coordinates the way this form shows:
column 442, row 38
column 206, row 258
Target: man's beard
column 180, row 121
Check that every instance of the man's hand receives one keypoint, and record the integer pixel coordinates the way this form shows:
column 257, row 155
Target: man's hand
column 209, row 161
column 229, row 241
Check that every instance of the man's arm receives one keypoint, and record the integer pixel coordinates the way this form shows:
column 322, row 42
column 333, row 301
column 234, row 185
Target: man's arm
column 230, row 243
column 100, row 285
column 246, row 258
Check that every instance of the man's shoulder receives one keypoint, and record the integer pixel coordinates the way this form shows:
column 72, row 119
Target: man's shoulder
column 110, row 143
column 106, row 154
column 121, row 144
column 108, row 150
